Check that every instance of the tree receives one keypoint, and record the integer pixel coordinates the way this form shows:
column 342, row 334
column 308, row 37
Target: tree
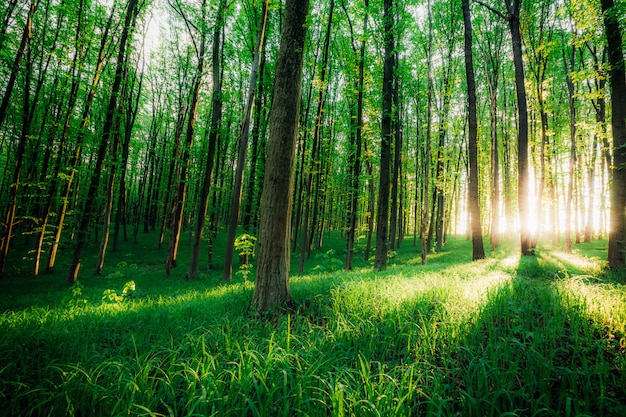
column 382, row 216
column 617, row 233
column 512, row 16
column 271, row 287
column 132, row 11
column 243, row 146
column 7, row 234
column 216, row 117
column 478, row 250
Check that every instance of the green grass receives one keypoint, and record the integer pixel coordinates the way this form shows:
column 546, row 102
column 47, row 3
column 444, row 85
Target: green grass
column 537, row 336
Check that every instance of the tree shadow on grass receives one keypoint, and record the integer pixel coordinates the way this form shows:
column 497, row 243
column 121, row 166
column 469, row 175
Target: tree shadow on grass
column 534, row 350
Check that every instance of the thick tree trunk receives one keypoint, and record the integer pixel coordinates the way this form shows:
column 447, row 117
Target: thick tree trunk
column 271, row 287
column 617, row 233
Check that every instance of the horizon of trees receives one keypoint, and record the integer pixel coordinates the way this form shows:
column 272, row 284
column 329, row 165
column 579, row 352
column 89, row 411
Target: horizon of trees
column 107, row 132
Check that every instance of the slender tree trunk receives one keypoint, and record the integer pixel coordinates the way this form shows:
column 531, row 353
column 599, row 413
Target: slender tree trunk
column 5, row 240
column 314, row 168
column 617, row 234
column 424, row 218
column 241, row 158
column 107, row 130
column 271, row 287
column 478, row 250
column 358, row 139
column 522, row 134
column 382, row 216
column 569, row 68
column 176, row 223
column 75, row 159
column 216, row 117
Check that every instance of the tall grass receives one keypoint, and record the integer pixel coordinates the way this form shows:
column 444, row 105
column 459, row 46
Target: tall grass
column 540, row 336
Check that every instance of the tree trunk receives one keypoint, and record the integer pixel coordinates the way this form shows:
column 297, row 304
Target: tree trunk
column 75, row 159
column 522, row 134
column 425, row 247
column 180, row 196
column 7, row 234
column 569, row 68
column 358, row 139
column 478, row 250
column 216, row 117
column 241, row 157
column 107, row 130
column 271, row 287
column 314, row 168
column 382, row 215
column 617, row 234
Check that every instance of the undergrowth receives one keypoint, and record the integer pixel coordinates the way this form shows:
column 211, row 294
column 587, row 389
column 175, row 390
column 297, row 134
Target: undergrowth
column 532, row 336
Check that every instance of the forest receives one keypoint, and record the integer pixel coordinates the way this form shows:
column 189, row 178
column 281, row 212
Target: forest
column 442, row 181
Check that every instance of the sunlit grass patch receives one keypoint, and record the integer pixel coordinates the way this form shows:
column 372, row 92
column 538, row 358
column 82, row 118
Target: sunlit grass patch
column 506, row 335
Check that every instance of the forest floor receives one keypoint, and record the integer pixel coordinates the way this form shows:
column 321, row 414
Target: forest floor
column 535, row 336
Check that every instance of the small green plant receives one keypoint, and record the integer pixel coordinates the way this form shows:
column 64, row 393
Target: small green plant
column 76, row 300
column 244, row 245
column 113, row 297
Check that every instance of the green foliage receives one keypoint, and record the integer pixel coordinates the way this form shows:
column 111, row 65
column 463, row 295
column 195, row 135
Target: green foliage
column 244, row 245
column 327, row 261
column 542, row 335
column 76, row 299
column 112, row 296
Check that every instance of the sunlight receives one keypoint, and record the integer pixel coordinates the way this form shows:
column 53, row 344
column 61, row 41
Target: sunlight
column 580, row 262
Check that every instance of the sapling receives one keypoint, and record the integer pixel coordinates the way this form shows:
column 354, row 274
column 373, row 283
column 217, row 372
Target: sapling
column 244, row 245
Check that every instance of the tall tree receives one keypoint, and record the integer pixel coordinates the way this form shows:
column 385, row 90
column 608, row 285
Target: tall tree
column 478, row 250
column 382, row 215
column 132, row 11
column 271, row 287
column 512, row 16
column 617, row 234
column 358, row 140
column 216, row 117
column 180, row 197
column 243, row 147
column 7, row 233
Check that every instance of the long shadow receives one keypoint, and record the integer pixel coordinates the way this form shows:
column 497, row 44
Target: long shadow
column 534, row 350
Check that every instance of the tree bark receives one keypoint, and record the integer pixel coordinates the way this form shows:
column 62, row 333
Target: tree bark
column 7, row 234
column 357, row 144
column 227, row 275
column 382, row 215
column 569, row 69
column 216, row 117
column 478, row 250
column 617, row 233
column 522, row 134
column 271, row 287
column 89, row 208
column 180, row 197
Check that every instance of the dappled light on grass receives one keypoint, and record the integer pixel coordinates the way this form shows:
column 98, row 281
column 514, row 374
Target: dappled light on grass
column 504, row 335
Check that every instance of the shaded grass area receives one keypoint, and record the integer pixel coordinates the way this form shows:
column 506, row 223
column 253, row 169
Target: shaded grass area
column 541, row 335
